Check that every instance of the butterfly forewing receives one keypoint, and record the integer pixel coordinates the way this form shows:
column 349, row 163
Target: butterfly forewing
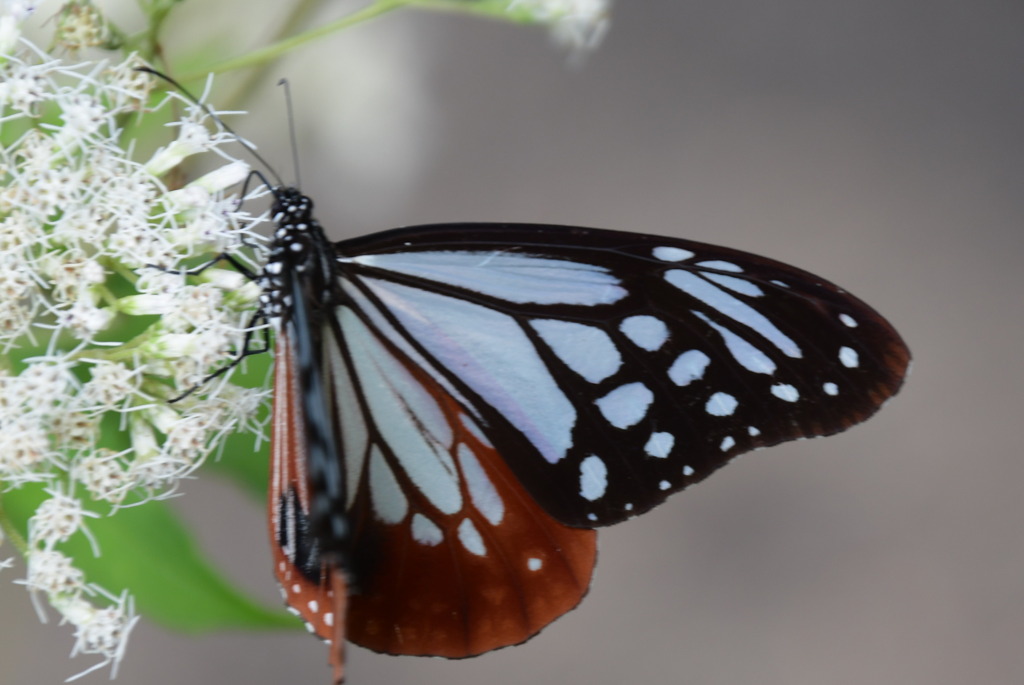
column 611, row 369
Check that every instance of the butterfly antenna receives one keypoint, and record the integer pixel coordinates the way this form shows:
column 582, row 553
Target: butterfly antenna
column 291, row 130
column 213, row 115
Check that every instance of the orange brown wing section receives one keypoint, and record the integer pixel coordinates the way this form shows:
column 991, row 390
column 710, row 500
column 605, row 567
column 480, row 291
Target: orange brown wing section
column 317, row 594
column 452, row 585
column 463, row 584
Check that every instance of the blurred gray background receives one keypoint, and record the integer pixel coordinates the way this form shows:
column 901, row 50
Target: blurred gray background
column 876, row 143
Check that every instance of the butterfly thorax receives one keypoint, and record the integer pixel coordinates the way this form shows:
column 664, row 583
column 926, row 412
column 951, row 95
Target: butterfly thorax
column 300, row 252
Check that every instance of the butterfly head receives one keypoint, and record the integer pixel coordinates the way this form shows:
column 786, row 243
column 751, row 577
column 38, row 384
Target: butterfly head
column 291, row 207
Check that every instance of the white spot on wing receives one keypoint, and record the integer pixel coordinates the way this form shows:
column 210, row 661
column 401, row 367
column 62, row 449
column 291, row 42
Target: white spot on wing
column 626, row 405
column 721, row 404
column 737, row 285
column 425, row 531
column 329, row 619
column 688, row 367
column 314, row 606
column 719, row 265
column 593, row 478
column 470, row 538
column 735, row 309
column 489, row 352
column 671, row 254
column 587, row 350
column 407, row 415
column 350, row 418
column 660, row 444
column 727, row 443
column 509, row 276
column 534, row 564
column 688, row 470
column 385, row 329
column 753, row 431
column 645, row 331
column 389, row 502
column 785, row 391
column 473, row 428
column 848, row 357
column 664, row 485
column 830, row 389
column 748, row 356
column 848, row 320
column 482, row 492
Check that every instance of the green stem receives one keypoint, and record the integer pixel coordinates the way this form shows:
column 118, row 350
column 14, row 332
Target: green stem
column 253, row 77
column 282, row 47
column 12, row 533
column 491, row 9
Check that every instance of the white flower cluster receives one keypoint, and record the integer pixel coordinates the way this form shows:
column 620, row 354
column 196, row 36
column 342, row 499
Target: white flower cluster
column 100, row 326
column 579, row 25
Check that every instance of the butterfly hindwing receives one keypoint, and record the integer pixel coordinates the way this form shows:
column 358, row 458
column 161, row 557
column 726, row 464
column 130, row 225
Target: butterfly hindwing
column 611, row 369
column 315, row 591
column 450, row 556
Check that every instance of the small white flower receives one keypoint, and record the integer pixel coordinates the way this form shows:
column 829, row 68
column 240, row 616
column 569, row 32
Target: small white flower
column 142, row 305
column 75, row 430
column 158, row 282
column 577, row 24
column 24, row 88
column 208, row 343
column 24, row 448
column 186, row 440
column 199, row 192
column 83, row 117
column 84, row 319
column 103, row 475
column 56, row 520
column 159, row 474
column 102, row 632
column 15, row 318
column 18, row 231
column 112, row 383
column 71, row 274
column 9, row 34
column 80, row 25
column 53, row 573
column 45, row 383
column 144, row 442
column 12, row 14
column 193, row 139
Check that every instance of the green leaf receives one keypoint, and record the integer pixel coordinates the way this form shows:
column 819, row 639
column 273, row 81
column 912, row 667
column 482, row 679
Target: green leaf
column 146, row 550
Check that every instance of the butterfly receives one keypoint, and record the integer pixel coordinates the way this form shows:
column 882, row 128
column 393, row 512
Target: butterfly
column 458, row 407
